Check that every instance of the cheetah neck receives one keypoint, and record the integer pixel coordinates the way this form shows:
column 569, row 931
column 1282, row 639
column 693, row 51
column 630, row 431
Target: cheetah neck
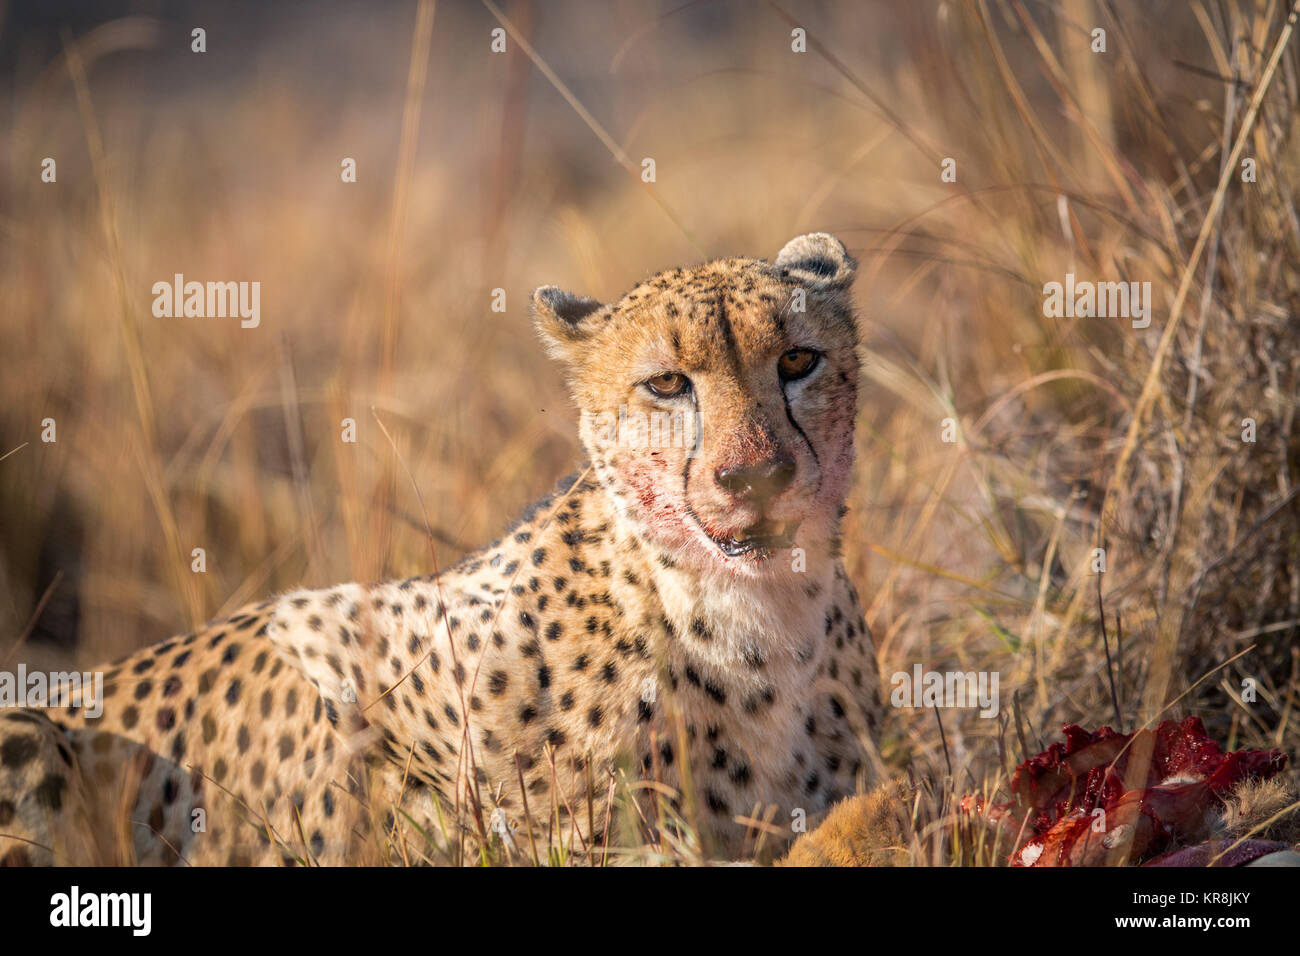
column 730, row 620
column 778, row 616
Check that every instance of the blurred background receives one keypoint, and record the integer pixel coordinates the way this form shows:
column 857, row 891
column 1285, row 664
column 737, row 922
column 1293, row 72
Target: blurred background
column 478, row 171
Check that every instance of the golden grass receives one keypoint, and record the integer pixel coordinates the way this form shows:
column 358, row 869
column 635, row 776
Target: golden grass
column 507, row 172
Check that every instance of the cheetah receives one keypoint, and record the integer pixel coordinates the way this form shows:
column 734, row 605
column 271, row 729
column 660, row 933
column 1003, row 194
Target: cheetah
column 677, row 612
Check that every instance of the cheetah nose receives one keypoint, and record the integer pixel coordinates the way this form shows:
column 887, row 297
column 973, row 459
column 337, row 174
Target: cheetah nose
column 759, row 481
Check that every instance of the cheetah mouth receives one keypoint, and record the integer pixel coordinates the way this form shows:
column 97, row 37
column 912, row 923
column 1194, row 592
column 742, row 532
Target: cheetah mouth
column 759, row 539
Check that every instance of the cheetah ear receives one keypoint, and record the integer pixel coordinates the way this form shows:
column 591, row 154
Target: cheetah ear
column 817, row 260
column 563, row 319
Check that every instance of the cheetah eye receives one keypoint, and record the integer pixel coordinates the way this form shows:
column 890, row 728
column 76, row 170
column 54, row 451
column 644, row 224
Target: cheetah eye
column 668, row 384
column 796, row 363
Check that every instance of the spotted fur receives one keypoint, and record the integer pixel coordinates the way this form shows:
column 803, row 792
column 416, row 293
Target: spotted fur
column 607, row 636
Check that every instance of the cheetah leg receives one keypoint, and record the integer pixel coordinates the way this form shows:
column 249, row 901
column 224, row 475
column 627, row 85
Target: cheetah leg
column 43, row 818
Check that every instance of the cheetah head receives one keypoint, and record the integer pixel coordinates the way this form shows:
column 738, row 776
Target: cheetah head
column 718, row 402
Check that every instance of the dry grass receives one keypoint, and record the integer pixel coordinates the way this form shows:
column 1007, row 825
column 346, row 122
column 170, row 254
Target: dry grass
column 973, row 555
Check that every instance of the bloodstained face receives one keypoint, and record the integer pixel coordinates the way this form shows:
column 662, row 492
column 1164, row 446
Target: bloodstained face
column 718, row 402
